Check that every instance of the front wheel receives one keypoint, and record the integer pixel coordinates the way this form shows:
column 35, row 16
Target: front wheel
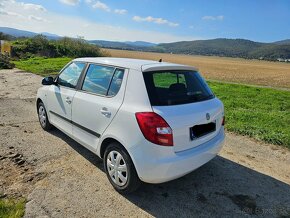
column 42, row 117
column 120, row 169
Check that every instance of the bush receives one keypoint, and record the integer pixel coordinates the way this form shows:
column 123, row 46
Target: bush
column 5, row 62
column 76, row 48
column 4, row 36
column 65, row 47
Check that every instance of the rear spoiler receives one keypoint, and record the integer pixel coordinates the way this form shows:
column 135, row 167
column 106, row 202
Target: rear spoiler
column 163, row 66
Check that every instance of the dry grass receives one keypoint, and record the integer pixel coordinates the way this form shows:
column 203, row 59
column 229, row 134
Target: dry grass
column 237, row 70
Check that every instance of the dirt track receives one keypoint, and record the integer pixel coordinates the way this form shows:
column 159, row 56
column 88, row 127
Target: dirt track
column 60, row 178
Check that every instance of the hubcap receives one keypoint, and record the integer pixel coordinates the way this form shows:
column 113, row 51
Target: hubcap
column 117, row 168
column 42, row 116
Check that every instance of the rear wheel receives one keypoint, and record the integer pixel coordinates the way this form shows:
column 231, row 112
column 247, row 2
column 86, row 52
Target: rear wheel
column 42, row 117
column 120, row 169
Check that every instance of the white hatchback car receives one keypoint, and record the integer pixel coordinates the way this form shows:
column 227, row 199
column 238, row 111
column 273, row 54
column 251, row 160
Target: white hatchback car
column 149, row 121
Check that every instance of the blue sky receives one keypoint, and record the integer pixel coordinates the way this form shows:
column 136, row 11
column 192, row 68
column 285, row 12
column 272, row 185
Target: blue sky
column 152, row 20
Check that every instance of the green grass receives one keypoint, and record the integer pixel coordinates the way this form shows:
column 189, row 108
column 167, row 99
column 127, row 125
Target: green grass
column 42, row 66
column 261, row 113
column 12, row 208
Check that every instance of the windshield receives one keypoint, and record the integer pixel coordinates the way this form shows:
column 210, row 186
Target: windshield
column 176, row 87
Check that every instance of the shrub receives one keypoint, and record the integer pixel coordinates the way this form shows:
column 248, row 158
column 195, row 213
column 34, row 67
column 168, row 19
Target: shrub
column 65, row 47
column 76, row 48
column 5, row 62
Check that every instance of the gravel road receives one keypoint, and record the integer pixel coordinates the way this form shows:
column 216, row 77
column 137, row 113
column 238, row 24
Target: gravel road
column 60, row 178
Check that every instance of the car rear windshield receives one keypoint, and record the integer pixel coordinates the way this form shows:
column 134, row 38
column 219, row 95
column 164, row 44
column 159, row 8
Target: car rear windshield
column 176, row 87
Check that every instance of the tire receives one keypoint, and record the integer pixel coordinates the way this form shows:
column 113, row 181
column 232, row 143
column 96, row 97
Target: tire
column 42, row 117
column 127, row 179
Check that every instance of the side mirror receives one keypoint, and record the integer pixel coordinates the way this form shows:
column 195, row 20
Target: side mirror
column 47, row 81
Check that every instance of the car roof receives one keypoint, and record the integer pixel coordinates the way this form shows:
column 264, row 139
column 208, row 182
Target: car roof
column 137, row 64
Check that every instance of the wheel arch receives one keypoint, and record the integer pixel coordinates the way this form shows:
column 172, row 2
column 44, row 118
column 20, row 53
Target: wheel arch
column 106, row 142
column 38, row 100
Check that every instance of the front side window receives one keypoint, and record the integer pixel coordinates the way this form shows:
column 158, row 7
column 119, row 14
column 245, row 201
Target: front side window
column 176, row 87
column 98, row 79
column 70, row 75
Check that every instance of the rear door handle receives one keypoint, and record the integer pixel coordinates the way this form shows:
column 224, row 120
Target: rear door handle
column 105, row 112
column 68, row 100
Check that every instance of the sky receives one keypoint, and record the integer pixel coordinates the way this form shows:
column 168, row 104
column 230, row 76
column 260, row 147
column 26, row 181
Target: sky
column 155, row 21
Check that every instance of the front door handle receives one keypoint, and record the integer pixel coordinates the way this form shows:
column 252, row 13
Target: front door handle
column 105, row 112
column 68, row 100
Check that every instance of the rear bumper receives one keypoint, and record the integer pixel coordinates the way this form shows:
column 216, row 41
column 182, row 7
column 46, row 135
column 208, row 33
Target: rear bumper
column 157, row 164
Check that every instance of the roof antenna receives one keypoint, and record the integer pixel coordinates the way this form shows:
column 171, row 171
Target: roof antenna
column 160, row 60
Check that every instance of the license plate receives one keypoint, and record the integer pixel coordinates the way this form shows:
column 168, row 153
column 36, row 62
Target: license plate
column 198, row 131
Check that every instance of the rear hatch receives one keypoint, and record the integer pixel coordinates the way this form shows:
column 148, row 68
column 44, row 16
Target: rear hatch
column 185, row 101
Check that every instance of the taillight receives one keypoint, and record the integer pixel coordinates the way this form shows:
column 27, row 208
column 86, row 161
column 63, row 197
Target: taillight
column 224, row 120
column 154, row 128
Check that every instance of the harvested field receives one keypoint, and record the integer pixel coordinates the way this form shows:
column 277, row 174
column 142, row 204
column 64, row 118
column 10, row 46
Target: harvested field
column 264, row 73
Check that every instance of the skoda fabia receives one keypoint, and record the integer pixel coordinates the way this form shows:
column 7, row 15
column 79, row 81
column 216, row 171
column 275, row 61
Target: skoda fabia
column 149, row 121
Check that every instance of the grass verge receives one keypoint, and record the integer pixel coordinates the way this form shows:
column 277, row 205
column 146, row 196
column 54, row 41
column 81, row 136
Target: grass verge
column 12, row 208
column 42, row 66
column 261, row 113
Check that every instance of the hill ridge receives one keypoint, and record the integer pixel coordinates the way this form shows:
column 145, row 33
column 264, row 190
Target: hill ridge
column 225, row 47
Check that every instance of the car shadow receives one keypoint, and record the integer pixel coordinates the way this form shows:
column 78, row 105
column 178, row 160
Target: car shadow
column 219, row 188
column 90, row 156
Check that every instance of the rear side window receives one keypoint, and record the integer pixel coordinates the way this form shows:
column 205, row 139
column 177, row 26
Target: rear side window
column 176, row 87
column 116, row 82
column 103, row 80
column 70, row 75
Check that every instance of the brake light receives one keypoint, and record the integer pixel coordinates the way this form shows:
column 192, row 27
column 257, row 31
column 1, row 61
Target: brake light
column 154, row 128
column 224, row 120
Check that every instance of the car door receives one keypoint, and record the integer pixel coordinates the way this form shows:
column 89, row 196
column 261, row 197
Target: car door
column 96, row 103
column 60, row 96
